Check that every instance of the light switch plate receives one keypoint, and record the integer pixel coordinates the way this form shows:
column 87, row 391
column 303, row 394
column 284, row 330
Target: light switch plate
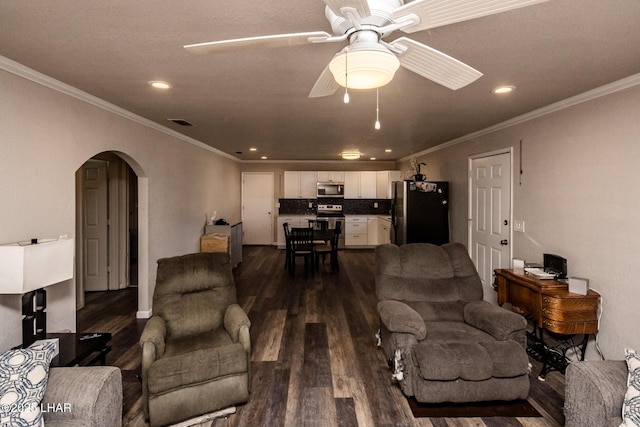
column 518, row 225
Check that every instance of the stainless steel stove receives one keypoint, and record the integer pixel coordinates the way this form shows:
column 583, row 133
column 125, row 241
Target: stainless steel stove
column 332, row 213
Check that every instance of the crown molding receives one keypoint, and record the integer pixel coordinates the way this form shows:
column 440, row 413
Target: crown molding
column 599, row 92
column 51, row 83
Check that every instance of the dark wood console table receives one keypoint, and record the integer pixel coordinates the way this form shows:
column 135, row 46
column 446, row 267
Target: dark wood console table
column 74, row 349
column 552, row 308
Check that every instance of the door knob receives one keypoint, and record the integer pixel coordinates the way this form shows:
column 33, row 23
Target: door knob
column 504, row 242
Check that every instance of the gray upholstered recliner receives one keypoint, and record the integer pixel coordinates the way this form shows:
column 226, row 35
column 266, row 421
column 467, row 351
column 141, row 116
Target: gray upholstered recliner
column 196, row 348
column 448, row 344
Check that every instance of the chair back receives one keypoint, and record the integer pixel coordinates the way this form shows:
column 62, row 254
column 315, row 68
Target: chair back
column 318, row 226
column 435, row 280
column 338, row 229
column 301, row 239
column 193, row 291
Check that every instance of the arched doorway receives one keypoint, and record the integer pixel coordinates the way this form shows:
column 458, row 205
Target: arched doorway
column 107, row 225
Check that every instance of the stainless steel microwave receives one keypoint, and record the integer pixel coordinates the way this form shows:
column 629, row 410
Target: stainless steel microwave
column 330, row 189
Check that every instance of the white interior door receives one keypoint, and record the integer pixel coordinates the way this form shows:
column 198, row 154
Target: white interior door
column 490, row 216
column 257, row 208
column 95, row 226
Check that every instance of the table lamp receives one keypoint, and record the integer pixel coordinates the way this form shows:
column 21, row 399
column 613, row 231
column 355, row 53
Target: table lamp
column 27, row 268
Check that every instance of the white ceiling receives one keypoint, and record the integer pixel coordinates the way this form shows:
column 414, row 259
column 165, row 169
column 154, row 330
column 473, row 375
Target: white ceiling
column 258, row 98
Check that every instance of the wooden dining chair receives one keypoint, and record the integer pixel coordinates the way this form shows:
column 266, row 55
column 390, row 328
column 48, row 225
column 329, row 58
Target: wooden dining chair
column 301, row 246
column 330, row 248
column 287, row 251
column 319, row 229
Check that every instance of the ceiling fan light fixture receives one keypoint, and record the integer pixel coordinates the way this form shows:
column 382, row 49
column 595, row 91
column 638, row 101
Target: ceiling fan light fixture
column 366, row 69
column 350, row 155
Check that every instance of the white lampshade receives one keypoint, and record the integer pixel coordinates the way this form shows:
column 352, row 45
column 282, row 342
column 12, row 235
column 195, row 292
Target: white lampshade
column 25, row 267
column 367, row 69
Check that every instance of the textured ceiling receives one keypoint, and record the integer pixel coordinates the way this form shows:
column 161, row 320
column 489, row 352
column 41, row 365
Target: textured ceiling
column 258, row 98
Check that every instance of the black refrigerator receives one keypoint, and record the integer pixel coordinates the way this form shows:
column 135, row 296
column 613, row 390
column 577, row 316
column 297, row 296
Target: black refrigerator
column 420, row 212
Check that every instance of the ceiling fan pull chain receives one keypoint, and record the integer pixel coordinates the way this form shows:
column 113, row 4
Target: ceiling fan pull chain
column 377, row 125
column 346, row 76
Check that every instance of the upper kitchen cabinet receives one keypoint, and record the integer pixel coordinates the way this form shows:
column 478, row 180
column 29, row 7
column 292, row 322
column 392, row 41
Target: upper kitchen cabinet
column 300, row 185
column 383, row 183
column 360, row 185
column 330, row 176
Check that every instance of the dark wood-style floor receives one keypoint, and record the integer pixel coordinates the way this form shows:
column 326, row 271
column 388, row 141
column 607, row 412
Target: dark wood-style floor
column 314, row 359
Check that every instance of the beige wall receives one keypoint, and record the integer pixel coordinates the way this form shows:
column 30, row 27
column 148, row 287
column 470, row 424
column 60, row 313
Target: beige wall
column 45, row 136
column 579, row 198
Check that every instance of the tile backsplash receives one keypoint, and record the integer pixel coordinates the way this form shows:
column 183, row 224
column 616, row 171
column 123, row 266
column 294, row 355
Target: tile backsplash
column 349, row 206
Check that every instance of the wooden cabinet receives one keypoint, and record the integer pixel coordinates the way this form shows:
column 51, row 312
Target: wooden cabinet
column 235, row 239
column 300, row 184
column 549, row 302
column 383, row 183
column 330, row 176
column 360, row 185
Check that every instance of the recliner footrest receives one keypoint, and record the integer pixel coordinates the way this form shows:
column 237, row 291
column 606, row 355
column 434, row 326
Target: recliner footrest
column 471, row 361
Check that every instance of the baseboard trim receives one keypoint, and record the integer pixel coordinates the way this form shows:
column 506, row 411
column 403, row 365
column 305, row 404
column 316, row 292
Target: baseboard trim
column 143, row 314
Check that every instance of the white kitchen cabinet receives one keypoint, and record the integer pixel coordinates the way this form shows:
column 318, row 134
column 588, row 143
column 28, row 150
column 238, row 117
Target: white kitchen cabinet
column 372, row 231
column 360, row 185
column 384, row 230
column 300, row 184
column 330, row 176
column 356, row 230
column 383, row 183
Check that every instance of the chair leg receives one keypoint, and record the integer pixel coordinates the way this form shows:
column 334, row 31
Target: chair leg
column 287, row 259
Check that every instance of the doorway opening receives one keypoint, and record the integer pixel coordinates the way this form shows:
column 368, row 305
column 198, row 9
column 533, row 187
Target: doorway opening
column 106, row 226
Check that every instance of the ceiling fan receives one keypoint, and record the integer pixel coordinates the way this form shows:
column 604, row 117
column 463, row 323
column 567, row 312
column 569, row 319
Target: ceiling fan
column 368, row 61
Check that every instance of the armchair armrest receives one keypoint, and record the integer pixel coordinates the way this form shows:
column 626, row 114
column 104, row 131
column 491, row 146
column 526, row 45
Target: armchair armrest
column 595, row 393
column 399, row 317
column 500, row 323
column 93, row 395
column 152, row 342
column 155, row 332
column 237, row 324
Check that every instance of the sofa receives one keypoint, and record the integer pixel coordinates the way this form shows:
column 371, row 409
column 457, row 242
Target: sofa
column 446, row 343
column 594, row 392
column 31, row 391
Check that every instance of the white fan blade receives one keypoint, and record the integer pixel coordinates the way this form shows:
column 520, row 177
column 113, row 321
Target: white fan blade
column 345, row 8
column 278, row 40
column 436, row 13
column 433, row 64
column 325, row 85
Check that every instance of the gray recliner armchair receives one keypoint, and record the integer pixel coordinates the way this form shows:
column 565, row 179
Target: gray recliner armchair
column 196, row 348
column 447, row 344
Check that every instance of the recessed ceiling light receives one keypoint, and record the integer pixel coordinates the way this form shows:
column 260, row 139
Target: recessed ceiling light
column 253, row 149
column 388, row 150
column 372, row 158
column 503, row 89
column 160, row 85
column 352, row 155
column 264, row 157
